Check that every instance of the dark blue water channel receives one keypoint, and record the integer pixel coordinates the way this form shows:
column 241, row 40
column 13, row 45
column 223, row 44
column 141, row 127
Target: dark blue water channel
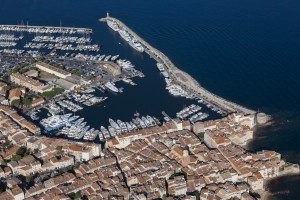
column 246, row 51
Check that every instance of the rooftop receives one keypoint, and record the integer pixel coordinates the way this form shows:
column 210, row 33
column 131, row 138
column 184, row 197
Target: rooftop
column 27, row 79
column 55, row 69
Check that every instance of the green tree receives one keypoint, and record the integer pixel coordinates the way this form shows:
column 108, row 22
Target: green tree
column 8, row 145
column 4, row 163
column 23, row 70
column 29, row 179
column 201, row 135
column 72, row 195
column 5, row 77
column 59, row 152
column 21, row 151
column 197, row 194
column 33, row 68
column 16, row 157
column 91, row 76
column 23, row 65
column 53, row 92
column 76, row 195
column 16, row 102
column 28, row 152
column 69, row 169
column 3, row 186
column 15, row 69
column 26, row 101
column 78, row 73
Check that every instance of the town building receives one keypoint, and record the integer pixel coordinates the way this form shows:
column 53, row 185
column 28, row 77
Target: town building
column 31, row 84
column 32, row 73
column 16, row 94
column 113, row 69
column 2, row 87
column 52, row 70
column 20, row 120
column 177, row 186
column 66, row 85
column 145, row 164
column 37, row 102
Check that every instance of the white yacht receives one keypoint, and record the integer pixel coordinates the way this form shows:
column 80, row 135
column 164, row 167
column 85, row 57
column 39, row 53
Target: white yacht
column 113, row 25
column 125, row 35
column 136, row 45
column 111, row 87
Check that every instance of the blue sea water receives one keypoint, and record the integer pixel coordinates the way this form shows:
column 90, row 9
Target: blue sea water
column 246, row 51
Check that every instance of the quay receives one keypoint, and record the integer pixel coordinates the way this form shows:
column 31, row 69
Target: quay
column 45, row 29
column 181, row 77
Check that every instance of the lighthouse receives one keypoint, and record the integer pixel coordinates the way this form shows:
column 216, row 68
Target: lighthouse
column 107, row 14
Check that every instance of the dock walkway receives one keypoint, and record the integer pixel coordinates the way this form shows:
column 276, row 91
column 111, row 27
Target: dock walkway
column 44, row 29
column 181, row 77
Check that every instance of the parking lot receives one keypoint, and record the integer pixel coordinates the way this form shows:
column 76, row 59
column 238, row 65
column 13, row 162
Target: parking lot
column 8, row 62
column 87, row 69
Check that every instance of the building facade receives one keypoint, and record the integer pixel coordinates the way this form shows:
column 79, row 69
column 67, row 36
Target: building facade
column 31, row 84
column 52, row 70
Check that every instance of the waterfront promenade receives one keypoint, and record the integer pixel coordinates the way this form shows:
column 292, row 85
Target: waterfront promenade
column 181, row 77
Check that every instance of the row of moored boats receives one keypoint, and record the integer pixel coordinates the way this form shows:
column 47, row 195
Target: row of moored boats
column 61, row 39
column 75, row 127
column 86, row 99
column 10, row 37
column 61, row 46
column 132, row 41
column 44, row 29
column 174, row 89
column 192, row 113
column 119, row 127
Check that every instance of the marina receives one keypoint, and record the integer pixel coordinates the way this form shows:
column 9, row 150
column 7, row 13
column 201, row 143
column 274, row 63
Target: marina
column 57, row 121
column 79, row 125
column 236, row 50
column 47, row 38
column 193, row 114
column 182, row 81
column 75, row 128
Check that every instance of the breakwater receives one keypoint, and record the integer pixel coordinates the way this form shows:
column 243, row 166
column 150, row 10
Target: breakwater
column 181, row 77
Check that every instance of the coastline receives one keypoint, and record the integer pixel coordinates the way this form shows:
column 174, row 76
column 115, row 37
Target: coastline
column 193, row 87
column 182, row 78
column 236, row 51
column 266, row 194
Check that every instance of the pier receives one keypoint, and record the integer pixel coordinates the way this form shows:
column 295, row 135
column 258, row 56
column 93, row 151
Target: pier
column 181, row 77
column 45, row 29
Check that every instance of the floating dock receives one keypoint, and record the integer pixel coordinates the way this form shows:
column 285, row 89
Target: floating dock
column 181, row 77
column 45, row 29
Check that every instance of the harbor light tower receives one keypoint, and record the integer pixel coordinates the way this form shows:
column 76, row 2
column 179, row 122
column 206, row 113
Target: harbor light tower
column 107, row 14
